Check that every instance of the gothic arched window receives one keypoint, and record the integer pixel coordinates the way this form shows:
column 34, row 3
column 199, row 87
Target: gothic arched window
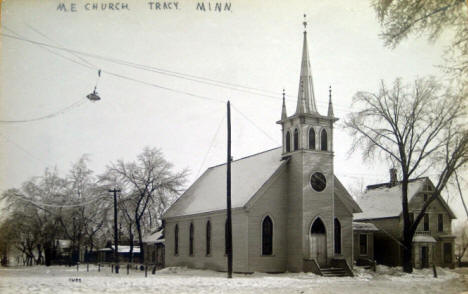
column 311, row 139
column 296, row 139
column 191, row 240
column 208, row 238
column 267, row 236
column 337, row 236
column 323, row 140
column 288, row 142
column 176, row 240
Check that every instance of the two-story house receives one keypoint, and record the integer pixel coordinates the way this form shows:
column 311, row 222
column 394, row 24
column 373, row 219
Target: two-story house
column 433, row 242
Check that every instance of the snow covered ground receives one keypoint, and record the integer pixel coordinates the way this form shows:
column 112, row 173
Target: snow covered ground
column 61, row 279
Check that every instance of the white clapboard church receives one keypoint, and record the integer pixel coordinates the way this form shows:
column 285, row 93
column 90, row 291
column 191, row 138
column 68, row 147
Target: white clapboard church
column 290, row 212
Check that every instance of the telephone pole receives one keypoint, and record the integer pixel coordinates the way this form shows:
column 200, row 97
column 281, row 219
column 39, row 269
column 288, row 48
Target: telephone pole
column 228, row 187
column 116, row 236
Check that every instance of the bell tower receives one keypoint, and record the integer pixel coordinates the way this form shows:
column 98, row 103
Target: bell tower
column 308, row 145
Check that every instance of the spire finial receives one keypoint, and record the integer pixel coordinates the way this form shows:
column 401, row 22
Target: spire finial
column 284, row 115
column 305, row 22
column 330, row 105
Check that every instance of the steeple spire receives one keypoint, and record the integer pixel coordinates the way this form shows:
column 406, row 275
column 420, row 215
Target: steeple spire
column 283, row 110
column 330, row 105
column 306, row 97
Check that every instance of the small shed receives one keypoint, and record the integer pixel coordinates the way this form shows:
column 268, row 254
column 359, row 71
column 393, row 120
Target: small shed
column 154, row 248
column 107, row 254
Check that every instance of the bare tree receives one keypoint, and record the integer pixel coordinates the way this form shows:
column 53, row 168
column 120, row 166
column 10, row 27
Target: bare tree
column 151, row 185
column 415, row 127
column 461, row 242
column 50, row 207
column 401, row 18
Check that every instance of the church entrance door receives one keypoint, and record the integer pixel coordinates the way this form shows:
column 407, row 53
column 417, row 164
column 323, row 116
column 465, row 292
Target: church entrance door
column 318, row 242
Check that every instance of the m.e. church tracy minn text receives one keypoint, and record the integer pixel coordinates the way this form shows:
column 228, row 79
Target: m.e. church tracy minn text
column 151, row 5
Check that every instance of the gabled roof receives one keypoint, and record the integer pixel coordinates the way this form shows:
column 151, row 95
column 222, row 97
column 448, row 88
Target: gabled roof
column 157, row 237
column 345, row 197
column 248, row 176
column 384, row 200
column 208, row 193
column 370, row 227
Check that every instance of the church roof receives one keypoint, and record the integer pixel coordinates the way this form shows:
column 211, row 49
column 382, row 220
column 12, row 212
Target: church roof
column 248, row 175
column 208, row 193
column 384, row 200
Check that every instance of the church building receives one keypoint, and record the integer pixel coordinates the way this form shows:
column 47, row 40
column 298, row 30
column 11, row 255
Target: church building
column 289, row 211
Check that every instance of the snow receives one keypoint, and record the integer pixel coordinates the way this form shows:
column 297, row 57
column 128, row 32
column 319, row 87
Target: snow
column 208, row 193
column 154, row 238
column 424, row 239
column 357, row 226
column 385, row 201
column 124, row 249
column 60, row 279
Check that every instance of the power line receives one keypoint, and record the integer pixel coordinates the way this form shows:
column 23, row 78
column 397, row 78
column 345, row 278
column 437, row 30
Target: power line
column 163, row 87
column 194, row 78
column 254, row 124
column 75, row 104
column 211, row 145
column 40, row 204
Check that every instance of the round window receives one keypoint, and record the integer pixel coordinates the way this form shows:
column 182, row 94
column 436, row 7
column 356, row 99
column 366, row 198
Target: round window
column 318, row 182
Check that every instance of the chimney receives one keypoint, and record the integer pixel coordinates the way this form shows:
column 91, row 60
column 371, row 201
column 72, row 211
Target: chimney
column 393, row 177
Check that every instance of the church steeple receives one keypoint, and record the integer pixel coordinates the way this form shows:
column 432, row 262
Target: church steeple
column 306, row 97
column 284, row 115
column 330, row 105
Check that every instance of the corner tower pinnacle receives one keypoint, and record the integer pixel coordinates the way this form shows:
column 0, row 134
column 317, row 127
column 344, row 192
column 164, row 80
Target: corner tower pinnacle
column 306, row 97
column 284, row 115
column 330, row 105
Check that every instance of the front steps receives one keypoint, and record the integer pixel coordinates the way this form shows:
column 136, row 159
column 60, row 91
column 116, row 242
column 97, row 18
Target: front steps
column 333, row 272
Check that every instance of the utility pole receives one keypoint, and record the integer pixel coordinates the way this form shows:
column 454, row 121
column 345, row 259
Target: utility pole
column 228, row 186
column 116, row 236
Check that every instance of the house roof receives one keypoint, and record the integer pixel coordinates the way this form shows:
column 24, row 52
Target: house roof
column 248, row 175
column 357, row 226
column 424, row 239
column 383, row 200
column 154, row 238
column 126, row 249
column 208, row 193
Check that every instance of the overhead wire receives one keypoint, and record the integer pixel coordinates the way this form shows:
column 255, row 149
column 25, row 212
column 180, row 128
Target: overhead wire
column 194, row 78
column 211, row 145
column 41, row 204
column 75, row 104
column 253, row 123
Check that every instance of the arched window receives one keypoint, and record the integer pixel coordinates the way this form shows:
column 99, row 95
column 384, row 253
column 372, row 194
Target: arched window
column 191, row 240
column 288, row 142
column 208, row 238
column 337, row 236
column 296, row 139
column 318, row 227
column 323, row 140
column 267, row 236
column 176, row 240
column 311, row 139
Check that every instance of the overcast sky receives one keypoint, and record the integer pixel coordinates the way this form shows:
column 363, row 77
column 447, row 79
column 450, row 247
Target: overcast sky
column 256, row 44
